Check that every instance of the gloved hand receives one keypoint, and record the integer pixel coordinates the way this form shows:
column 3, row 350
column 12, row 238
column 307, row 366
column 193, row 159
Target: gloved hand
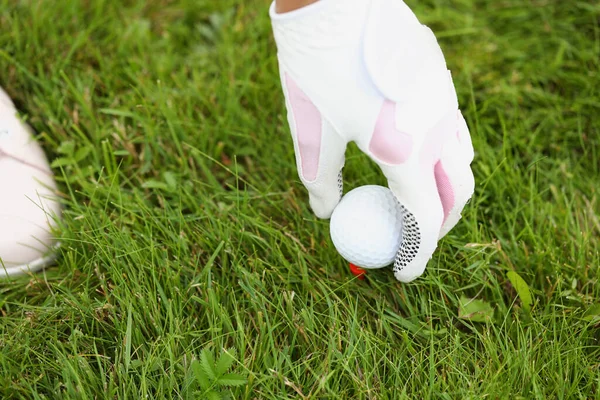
column 367, row 71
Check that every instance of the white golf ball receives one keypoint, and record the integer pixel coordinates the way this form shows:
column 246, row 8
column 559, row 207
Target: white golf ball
column 366, row 227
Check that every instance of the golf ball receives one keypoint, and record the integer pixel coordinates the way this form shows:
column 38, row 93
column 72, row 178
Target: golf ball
column 366, row 226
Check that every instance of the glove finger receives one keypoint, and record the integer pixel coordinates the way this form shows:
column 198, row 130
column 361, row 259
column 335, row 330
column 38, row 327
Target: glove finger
column 454, row 178
column 422, row 214
column 409, row 168
column 319, row 150
column 326, row 190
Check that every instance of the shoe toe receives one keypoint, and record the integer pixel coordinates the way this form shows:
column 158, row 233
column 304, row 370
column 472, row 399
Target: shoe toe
column 28, row 207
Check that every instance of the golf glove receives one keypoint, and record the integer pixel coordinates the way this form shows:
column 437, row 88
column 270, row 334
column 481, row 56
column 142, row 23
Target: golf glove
column 367, row 71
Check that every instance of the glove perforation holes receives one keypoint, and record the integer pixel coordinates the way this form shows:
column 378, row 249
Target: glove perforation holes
column 411, row 239
column 340, row 184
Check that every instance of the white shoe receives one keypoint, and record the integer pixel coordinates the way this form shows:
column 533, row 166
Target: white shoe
column 28, row 209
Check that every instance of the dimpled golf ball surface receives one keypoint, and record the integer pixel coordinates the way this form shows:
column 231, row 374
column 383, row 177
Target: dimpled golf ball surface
column 366, row 227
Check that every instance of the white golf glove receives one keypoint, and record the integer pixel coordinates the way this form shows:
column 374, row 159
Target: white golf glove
column 367, row 71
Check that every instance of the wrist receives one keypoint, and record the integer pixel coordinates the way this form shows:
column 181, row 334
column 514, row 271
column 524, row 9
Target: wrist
column 322, row 24
column 284, row 6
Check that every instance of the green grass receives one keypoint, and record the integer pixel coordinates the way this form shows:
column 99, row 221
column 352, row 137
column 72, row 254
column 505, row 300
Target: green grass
column 186, row 230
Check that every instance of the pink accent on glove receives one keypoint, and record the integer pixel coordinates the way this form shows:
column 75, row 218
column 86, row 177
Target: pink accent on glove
column 388, row 144
column 308, row 129
column 445, row 189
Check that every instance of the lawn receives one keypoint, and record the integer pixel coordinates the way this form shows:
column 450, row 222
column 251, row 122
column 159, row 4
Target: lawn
column 187, row 235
